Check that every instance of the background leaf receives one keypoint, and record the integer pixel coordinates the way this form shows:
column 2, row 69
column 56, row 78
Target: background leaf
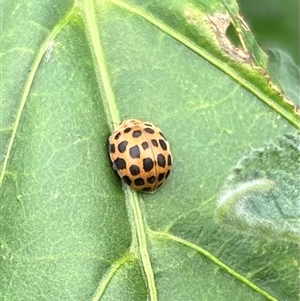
column 276, row 27
column 261, row 194
column 286, row 72
column 70, row 73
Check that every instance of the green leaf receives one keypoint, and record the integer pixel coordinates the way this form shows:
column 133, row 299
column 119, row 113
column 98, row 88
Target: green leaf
column 282, row 44
column 286, row 72
column 261, row 194
column 71, row 71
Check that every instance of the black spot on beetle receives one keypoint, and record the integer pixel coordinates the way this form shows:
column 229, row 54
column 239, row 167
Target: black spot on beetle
column 134, row 152
column 136, row 134
column 161, row 176
column 134, row 170
column 139, row 182
column 122, row 146
column 151, row 180
column 117, row 136
column 127, row 180
column 148, row 124
column 146, row 189
column 167, row 174
column 161, row 160
column 169, row 160
column 112, row 148
column 120, row 163
column 147, row 164
column 154, row 142
column 160, row 133
column 145, row 145
column 162, row 144
column 149, row 130
column 127, row 130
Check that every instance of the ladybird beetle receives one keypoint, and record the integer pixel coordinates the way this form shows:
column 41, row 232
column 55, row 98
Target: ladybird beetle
column 141, row 155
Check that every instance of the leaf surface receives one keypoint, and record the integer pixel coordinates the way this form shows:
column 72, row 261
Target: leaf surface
column 69, row 231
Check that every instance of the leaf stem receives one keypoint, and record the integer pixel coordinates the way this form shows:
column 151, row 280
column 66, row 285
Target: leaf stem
column 109, row 275
column 215, row 260
column 142, row 242
column 99, row 57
